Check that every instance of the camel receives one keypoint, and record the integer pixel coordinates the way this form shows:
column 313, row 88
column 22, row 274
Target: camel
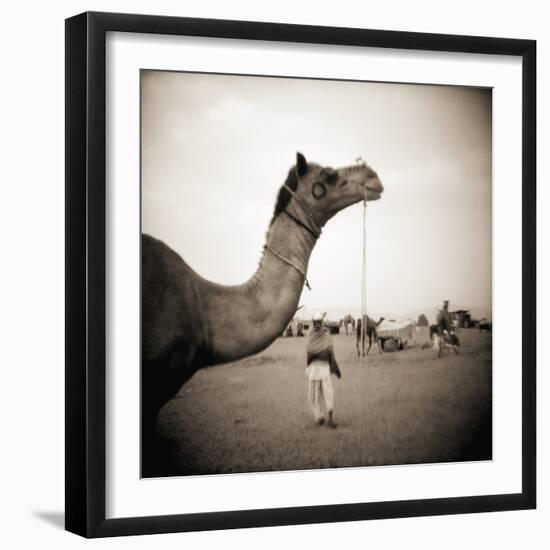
column 449, row 341
column 347, row 321
column 189, row 323
column 370, row 332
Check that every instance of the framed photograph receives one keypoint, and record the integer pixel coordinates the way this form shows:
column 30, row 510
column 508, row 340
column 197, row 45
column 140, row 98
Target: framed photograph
column 300, row 281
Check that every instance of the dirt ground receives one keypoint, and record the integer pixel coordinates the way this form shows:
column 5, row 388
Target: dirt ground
column 396, row 408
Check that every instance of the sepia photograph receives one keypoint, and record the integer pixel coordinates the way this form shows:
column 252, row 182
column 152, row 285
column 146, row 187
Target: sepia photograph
column 316, row 277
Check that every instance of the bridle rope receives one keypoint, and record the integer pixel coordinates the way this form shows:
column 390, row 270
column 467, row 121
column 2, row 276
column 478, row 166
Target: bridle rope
column 290, row 263
column 301, row 224
column 314, row 230
column 311, row 217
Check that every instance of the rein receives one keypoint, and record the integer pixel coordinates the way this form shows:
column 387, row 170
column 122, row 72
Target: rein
column 364, row 317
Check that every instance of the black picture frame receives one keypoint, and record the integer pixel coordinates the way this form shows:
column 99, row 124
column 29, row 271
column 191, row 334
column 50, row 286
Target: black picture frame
column 86, row 273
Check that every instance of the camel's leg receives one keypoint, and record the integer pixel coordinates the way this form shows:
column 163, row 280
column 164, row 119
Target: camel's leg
column 378, row 344
column 370, row 342
column 357, row 346
column 363, row 341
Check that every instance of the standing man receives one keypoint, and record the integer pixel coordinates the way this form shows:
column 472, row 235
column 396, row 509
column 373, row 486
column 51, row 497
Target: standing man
column 444, row 318
column 320, row 365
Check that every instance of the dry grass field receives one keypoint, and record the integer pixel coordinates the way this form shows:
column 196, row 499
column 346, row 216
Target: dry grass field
column 397, row 408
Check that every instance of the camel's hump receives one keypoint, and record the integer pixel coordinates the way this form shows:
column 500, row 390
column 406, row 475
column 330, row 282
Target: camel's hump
column 157, row 256
column 155, row 248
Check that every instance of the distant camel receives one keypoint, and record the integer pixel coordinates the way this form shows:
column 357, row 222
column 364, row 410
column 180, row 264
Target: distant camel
column 451, row 341
column 189, row 323
column 370, row 332
column 349, row 320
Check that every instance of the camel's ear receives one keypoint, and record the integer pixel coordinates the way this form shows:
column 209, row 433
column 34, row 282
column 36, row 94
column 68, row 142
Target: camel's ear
column 301, row 164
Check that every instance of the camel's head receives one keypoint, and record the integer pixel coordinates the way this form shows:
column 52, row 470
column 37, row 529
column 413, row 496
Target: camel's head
column 325, row 191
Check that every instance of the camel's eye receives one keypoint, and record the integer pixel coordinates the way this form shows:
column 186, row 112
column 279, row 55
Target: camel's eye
column 318, row 190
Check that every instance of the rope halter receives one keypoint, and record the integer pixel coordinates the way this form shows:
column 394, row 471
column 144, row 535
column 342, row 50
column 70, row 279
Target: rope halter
column 290, row 263
column 316, row 229
column 311, row 225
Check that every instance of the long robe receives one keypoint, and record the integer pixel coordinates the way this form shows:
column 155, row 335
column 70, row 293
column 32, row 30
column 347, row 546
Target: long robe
column 320, row 347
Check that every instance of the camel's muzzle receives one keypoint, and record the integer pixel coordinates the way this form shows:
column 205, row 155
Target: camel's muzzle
column 374, row 187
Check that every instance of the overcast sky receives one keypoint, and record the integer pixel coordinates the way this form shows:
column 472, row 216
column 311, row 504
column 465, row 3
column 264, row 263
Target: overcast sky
column 216, row 149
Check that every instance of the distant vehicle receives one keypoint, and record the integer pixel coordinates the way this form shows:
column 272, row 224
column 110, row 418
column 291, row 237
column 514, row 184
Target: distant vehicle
column 485, row 325
column 399, row 332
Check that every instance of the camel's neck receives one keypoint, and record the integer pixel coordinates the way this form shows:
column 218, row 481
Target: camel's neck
column 371, row 323
column 243, row 320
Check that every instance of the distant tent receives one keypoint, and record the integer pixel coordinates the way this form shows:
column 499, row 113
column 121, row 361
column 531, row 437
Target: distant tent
column 403, row 332
column 422, row 321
